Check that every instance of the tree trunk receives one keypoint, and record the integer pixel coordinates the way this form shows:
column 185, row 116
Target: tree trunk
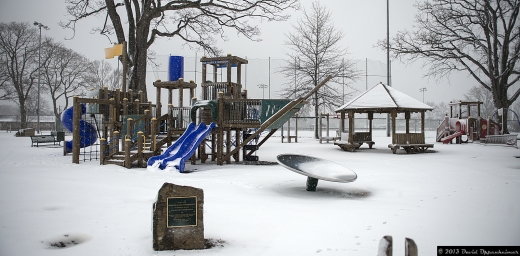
column 317, row 115
column 23, row 115
column 138, row 75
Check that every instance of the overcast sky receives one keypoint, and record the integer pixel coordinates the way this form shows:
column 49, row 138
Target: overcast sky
column 363, row 22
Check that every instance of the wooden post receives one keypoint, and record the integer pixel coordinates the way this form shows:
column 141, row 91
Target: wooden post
column 320, row 129
column 153, row 134
column 296, row 120
column 393, row 115
column 76, row 116
column 237, row 139
column 370, row 119
column 102, row 149
column 228, row 145
column 125, row 106
column 127, row 153
column 422, row 122
column 111, row 118
column 158, row 104
column 117, row 105
column 288, row 131
column 115, row 140
column 136, row 107
column 169, row 126
column 220, row 135
column 351, row 127
column 407, row 119
column 140, row 148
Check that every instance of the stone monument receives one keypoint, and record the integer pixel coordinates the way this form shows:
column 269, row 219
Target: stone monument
column 178, row 222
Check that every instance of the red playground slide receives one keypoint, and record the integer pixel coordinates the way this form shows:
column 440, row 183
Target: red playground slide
column 447, row 139
column 460, row 129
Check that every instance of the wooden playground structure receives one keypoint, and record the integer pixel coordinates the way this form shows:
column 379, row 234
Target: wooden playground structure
column 132, row 131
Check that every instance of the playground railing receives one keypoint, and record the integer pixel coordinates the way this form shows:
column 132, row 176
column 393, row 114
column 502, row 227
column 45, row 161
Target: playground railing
column 443, row 128
column 238, row 112
column 158, row 125
column 210, row 90
column 181, row 117
column 109, row 148
column 507, row 139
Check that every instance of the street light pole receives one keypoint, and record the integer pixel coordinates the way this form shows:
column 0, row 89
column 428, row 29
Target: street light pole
column 422, row 90
column 263, row 86
column 40, row 26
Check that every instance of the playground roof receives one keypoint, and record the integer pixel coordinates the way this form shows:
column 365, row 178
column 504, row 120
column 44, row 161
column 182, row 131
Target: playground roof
column 383, row 99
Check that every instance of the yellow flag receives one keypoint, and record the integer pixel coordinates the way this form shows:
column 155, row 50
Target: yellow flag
column 115, row 50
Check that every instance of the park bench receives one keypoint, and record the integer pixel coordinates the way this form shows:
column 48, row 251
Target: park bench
column 52, row 138
column 359, row 139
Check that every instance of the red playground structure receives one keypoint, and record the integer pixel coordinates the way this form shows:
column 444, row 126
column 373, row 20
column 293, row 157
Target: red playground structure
column 463, row 127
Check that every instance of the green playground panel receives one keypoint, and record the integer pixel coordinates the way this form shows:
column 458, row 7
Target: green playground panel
column 268, row 109
column 271, row 107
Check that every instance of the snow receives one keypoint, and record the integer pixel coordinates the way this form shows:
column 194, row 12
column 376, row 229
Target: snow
column 382, row 96
column 454, row 195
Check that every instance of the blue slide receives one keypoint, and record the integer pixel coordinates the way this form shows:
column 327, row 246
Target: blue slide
column 177, row 154
column 87, row 132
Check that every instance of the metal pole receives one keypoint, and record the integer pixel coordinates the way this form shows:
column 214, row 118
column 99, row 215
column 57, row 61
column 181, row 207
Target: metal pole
column 388, row 60
column 269, row 77
column 40, row 26
column 39, row 75
column 343, row 83
column 422, row 90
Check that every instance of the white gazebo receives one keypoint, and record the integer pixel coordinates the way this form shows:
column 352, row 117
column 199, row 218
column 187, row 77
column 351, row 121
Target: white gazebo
column 383, row 99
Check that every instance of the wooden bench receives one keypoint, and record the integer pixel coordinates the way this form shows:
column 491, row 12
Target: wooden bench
column 410, row 148
column 345, row 145
column 370, row 143
column 39, row 139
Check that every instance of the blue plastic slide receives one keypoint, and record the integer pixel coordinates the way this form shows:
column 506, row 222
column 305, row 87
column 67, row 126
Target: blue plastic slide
column 154, row 161
column 177, row 154
column 87, row 132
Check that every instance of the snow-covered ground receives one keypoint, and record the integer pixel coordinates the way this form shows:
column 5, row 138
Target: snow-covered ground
column 465, row 194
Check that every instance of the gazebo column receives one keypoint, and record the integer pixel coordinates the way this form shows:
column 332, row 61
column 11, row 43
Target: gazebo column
column 351, row 127
column 393, row 116
column 342, row 122
column 422, row 122
column 370, row 118
column 407, row 118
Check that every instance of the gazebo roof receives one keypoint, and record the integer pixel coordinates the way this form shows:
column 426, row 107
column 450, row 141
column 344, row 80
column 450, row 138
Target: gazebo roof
column 383, row 99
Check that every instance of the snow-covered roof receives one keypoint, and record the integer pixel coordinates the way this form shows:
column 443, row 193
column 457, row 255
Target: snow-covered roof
column 382, row 98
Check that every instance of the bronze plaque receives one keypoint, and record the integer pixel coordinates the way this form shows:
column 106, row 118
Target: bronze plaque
column 182, row 211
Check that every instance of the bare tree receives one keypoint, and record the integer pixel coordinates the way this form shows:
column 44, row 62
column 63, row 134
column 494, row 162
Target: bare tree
column 18, row 55
column 316, row 52
column 478, row 93
column 102, row 74
column 65, row 73
column 442, row 110
column 195, row 22
column 480, row 37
